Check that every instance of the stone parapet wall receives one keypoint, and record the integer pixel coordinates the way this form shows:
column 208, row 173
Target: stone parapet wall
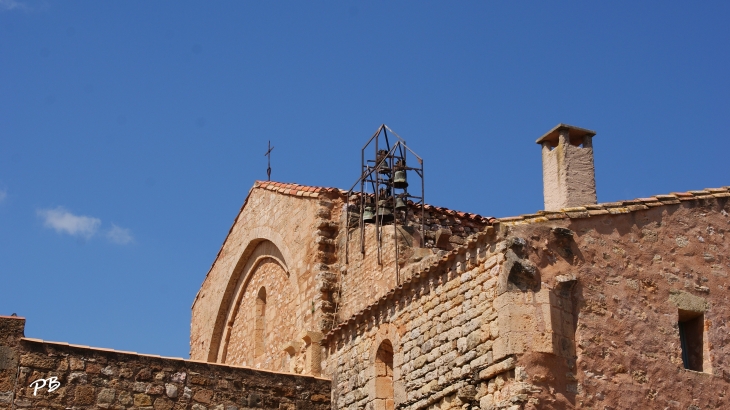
column 91, row 378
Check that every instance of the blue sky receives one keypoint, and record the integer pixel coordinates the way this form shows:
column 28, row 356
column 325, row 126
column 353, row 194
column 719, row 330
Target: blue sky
column 131, row 132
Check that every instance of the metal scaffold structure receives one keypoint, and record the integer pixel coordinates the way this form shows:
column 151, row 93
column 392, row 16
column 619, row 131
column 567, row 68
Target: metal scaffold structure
column 383, row 197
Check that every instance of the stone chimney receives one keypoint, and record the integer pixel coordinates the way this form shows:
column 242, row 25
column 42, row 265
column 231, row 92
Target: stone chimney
column 567, row 167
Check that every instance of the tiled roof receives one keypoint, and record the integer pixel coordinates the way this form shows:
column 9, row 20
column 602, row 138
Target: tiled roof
column 296, row 189
column 101, row 349
column 314, row 192
column 621, row 207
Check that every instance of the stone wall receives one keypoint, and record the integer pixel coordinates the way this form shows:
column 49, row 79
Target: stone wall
column 100, row 378
column 630, row 270
column 296, row 228
column 448, row 349
column 266, row 320
column 322, row 277
column 366, row 276
column 458, row 225
column 577, row 308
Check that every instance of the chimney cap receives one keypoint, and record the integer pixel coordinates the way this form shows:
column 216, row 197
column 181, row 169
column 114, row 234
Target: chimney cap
column 576, row 133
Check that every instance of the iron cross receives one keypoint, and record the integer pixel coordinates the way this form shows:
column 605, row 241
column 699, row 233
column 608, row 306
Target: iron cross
column 268, row 154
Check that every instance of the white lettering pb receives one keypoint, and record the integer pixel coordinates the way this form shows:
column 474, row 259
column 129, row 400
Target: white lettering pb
column 38, row 384
column 52, row 383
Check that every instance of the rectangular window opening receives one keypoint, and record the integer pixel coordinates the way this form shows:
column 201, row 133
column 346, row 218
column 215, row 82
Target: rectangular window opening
column 691, row 334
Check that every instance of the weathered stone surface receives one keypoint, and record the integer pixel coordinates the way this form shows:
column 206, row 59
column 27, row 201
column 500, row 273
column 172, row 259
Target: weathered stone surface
column 171, row 391
column 84, row 395
column 687, row 301
column 115, row 388
column 37, row 361
column 105, row 396
column 203, row 396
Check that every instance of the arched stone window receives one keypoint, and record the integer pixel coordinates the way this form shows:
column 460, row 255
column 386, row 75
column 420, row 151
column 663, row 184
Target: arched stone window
column 260, row 325
column 384, row 376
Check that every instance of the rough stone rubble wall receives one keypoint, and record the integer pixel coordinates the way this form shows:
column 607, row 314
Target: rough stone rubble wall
column 104, row 379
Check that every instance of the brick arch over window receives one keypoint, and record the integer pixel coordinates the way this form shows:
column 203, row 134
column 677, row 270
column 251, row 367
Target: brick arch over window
column 261, row 262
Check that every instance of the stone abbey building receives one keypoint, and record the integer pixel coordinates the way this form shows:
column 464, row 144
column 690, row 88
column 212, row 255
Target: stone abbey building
column 583, row 305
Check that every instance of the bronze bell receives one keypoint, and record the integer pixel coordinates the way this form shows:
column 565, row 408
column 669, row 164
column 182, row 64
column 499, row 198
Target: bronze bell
column 399, row 179
column 384, row 168
column 400, row 203
column 381, row 161
column 368, row 216
column 384, row 212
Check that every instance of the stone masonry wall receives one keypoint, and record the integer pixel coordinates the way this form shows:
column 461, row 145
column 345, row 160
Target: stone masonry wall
column 625, row 272
column 303, row 228
column 277, row 329
column 577, row 308
column 300, row 225
column 105, row 379
column 442, row 324
column 364, row 277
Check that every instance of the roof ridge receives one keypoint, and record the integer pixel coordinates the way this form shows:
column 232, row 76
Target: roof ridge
column 294, row 189
column 624, row 206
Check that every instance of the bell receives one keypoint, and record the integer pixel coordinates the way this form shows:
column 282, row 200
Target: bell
column 381, row 160
column 400, row 204
column 399, row 179
column 368, row 216
column 384, row 211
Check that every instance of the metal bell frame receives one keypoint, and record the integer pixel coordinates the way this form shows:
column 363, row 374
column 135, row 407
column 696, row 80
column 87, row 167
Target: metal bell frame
column 386, row 173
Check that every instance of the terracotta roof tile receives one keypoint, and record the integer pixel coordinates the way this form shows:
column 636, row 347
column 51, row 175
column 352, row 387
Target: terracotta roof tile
column 314, row 191
column 623, row 207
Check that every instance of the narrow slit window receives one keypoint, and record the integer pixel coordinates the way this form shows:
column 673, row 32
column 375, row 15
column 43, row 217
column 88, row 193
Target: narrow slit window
column 260, row 323
column 691, row 336
column 384, row 376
